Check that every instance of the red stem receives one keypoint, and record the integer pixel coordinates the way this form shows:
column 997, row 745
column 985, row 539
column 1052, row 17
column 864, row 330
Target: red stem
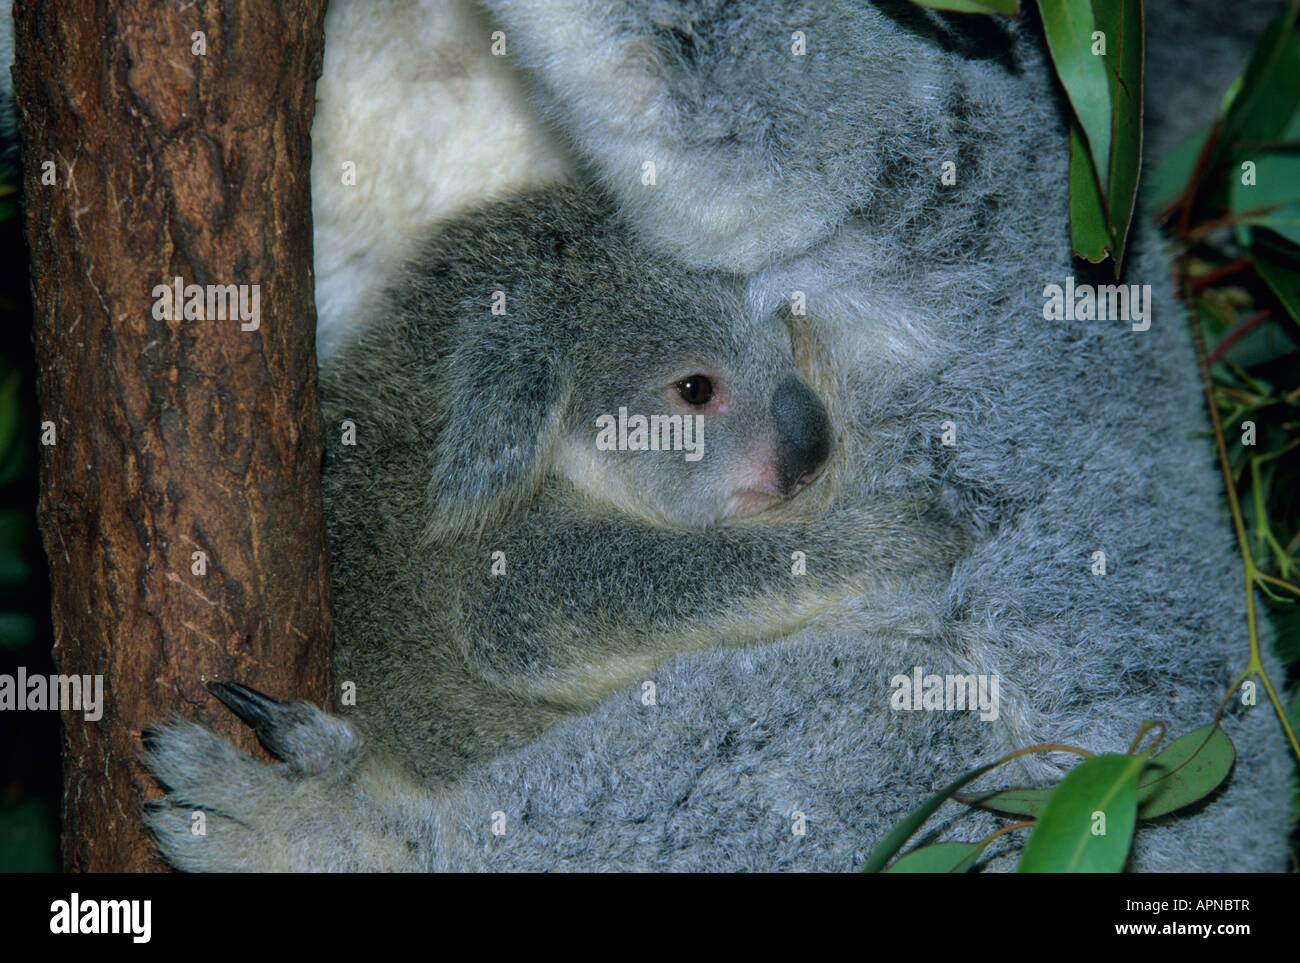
column 1236, row 334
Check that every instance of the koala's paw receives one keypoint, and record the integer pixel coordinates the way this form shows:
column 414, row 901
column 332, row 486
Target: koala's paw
column 227, row 812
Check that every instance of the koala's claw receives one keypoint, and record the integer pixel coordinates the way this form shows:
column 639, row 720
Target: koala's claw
column 306, row 738
column 257, row 709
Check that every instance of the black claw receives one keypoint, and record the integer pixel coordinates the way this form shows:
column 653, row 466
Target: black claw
column 149, row 737
column 257, row 709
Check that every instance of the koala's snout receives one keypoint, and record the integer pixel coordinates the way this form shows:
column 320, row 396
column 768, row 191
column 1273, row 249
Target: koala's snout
column 803, row 433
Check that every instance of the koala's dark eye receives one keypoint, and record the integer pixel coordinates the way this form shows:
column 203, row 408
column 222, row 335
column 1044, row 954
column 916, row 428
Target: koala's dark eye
column 695, row 390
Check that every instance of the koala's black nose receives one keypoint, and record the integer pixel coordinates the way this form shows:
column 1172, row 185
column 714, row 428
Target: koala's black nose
column 803, row 431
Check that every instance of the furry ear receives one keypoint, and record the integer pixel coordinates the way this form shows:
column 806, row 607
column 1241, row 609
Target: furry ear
column 730, row 139
column 500, row 414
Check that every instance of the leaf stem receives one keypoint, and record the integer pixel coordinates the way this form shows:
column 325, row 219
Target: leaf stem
column 1255, row 666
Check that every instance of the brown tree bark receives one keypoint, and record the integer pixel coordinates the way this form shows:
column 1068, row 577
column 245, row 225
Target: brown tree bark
column 164, row 141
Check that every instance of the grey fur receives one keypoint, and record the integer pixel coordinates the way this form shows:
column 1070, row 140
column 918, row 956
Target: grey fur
column 924, row 307
column 592, row 595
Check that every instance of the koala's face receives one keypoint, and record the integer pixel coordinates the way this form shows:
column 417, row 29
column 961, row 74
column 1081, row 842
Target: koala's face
column 688, row 422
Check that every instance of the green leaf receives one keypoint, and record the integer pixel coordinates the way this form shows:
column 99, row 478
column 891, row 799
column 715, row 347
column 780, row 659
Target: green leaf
column 1186, row 770
column 1189, row 768
column 1276, row 185
column 1008, row 8
column 1063, row 840
column 1089, row 230
column 891, row 844
column 1269, row 90
column 1017, row 802
column 1257, row 107
column 1104, row 168
column 1069, row 26
column 1280, row 270
column 952, row 857
column 1121, row 22
column 1168, row 179
column 1285, row 221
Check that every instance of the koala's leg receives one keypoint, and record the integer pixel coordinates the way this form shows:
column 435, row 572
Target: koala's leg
column 332, row 803
column 584, row 604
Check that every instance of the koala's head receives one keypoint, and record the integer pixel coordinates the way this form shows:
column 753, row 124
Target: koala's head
column 686, row 412
column 643, row 386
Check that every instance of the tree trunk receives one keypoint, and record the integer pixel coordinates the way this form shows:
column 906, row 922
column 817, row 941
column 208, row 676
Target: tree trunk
column 180, row 504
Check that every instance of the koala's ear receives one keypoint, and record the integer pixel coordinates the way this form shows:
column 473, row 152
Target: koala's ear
column 500, row 410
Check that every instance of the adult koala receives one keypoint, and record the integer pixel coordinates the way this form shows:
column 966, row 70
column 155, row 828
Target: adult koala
column 801, row 148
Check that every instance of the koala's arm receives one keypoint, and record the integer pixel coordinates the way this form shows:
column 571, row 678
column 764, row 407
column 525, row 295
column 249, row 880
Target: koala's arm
column 585, row 602
column 332, row 803
column 763, row 130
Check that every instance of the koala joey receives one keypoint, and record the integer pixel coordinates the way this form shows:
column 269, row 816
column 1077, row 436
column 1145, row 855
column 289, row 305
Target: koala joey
column 494, row 566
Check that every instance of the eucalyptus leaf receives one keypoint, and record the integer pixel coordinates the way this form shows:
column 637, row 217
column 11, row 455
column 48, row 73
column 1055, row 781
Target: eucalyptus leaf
column 1065, row 838
column 891, row 844
column 1007, row 8
column 1089, row 230
column 1275, row 184
column 1121, row 22
column 1280, row 273
column 1069, row 26
column 1186, row 770
column 1189, row 768
column 1269, row 90
column 939, row 858
column 1169, row 178
column 1017, row 802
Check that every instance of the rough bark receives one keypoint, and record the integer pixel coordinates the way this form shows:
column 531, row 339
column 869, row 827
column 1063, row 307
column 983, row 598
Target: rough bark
column 174, row 434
